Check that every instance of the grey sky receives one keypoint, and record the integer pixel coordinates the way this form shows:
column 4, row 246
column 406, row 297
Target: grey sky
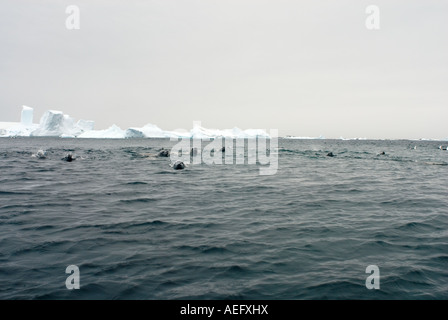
column 304, row 67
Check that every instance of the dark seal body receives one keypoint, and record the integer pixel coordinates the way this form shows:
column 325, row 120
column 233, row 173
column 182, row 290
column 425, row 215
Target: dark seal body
column 163, row 153
column 178, row 165
column 68, row 158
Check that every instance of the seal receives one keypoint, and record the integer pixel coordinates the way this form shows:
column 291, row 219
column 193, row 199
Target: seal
column 40, row 154
column 163, row 153
column 69, row 158
column 178, row 165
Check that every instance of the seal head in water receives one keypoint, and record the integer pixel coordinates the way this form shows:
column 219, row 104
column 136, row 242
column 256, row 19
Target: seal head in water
column 178, row 165
column 69, row 158
column 163, row 153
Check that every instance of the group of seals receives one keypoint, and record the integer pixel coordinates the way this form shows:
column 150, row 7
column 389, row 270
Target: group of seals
column 42, row 154
column 331, row 154
column 179, row 165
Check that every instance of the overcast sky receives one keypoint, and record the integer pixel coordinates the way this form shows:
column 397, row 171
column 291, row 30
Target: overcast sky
column 307, row 68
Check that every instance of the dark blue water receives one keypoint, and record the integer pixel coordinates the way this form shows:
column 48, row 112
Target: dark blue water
column 137, row 229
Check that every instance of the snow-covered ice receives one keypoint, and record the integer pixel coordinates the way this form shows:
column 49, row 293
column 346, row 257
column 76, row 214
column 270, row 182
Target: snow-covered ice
column 57, row 124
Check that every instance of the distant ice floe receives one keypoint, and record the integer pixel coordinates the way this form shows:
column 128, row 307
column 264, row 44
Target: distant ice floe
column 427, row 139
column 321, row 137
column 348, row 139
column 57, row 124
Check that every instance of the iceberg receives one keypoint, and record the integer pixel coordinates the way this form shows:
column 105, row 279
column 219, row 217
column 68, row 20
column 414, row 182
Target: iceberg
column 16, row 129
column 179, row 133
column 148, row 131
column 26, row 118
column 134, row 133
column 86, row 125
column 254, row 133
column 52, row 124
column 56, row 124
column 113, row 132
column 199, row 132
column 19, row 129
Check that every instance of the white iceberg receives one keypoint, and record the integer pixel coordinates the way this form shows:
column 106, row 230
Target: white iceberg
column 19, row 129
column 16, row 129
column 113, row 132
column 254, row 133
column 86, row 125
column 199, row 132
column 26, row 118
column 56, row 124
column 148, row 131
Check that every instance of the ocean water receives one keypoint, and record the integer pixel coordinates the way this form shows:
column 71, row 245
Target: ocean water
column 137, row 229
